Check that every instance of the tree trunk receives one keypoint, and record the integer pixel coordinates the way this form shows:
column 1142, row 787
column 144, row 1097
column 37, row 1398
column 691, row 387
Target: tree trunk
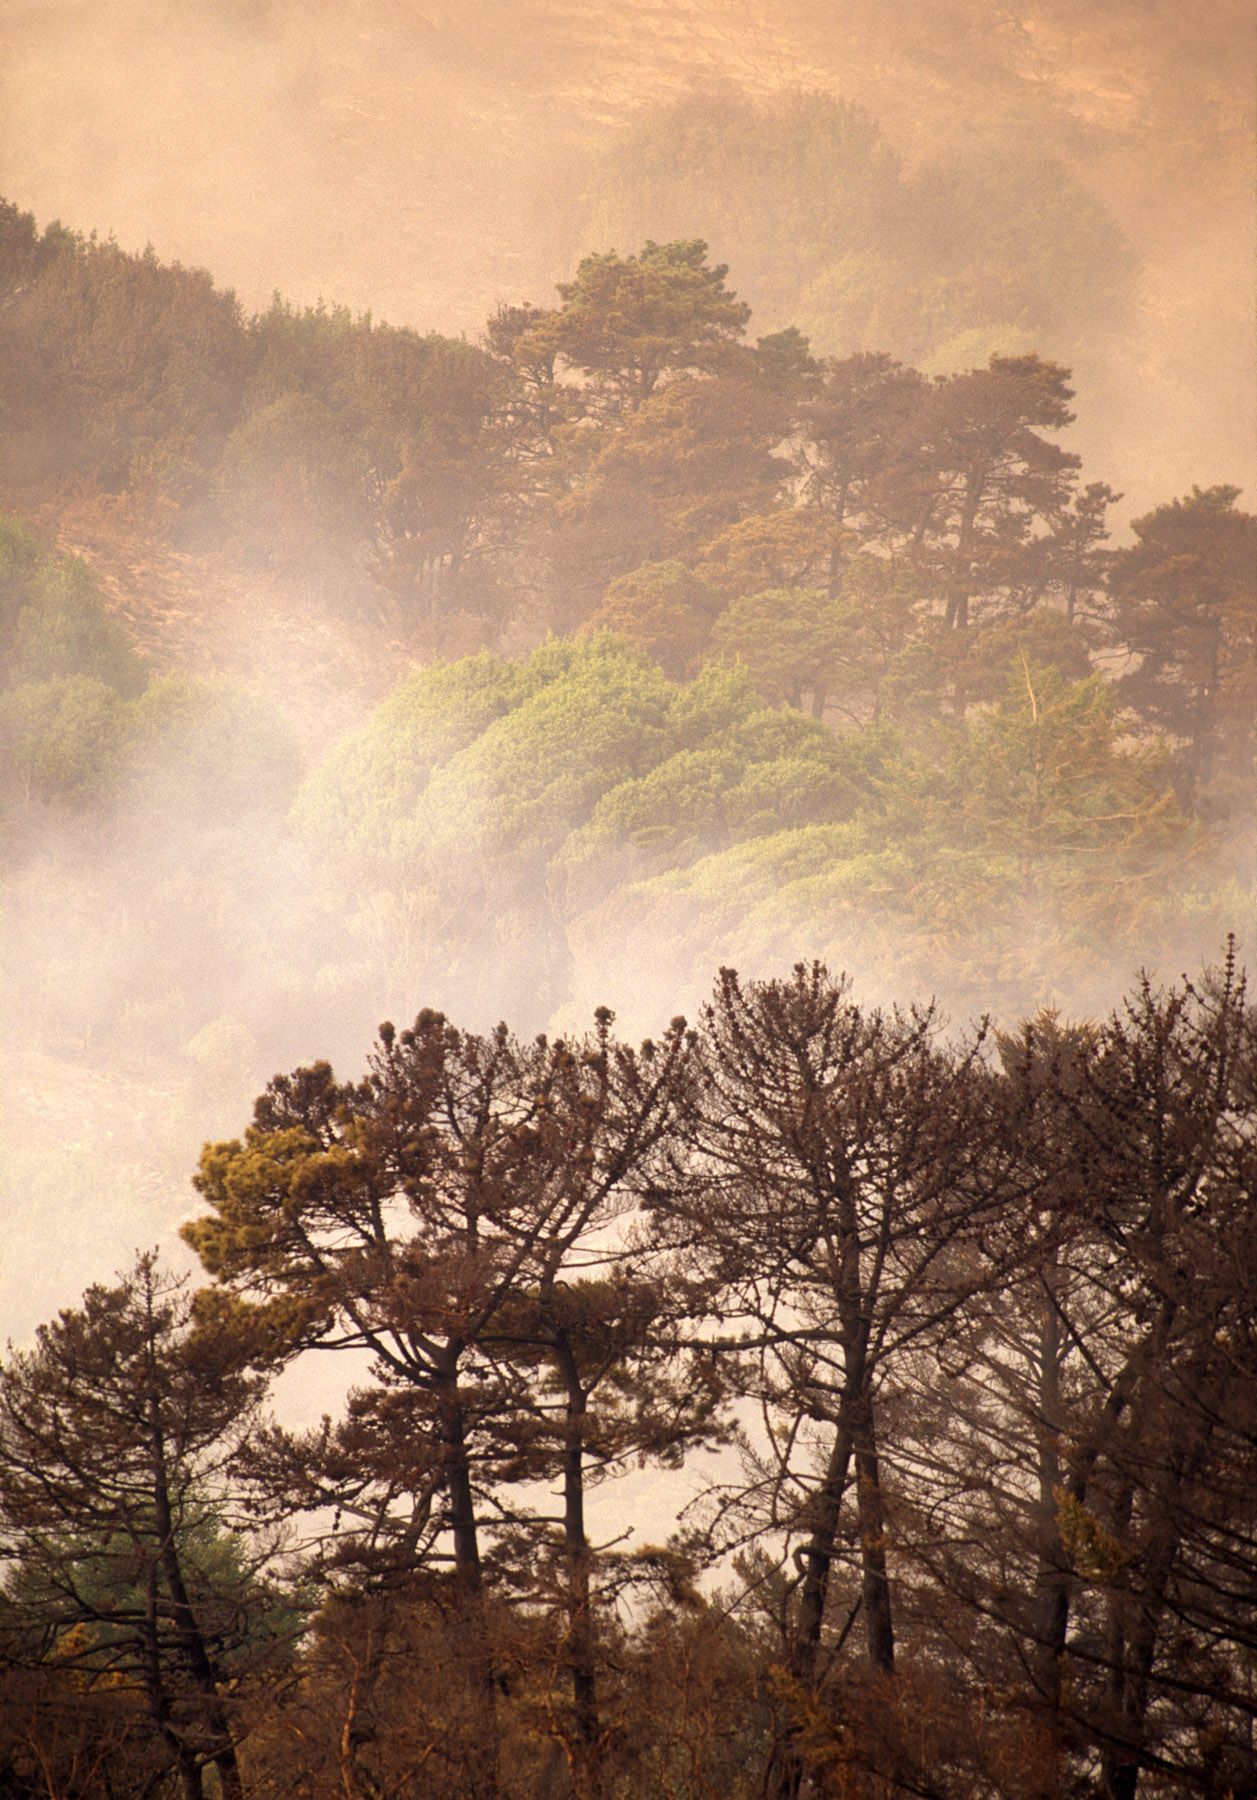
column 837, row 557
column 961, row 585
column 871, row 1516
column 818, row 1558
column 187, row 1627
column 185, row 1763
column 1131, row 1678
column 1052, row 1576
column 785, row 1774
column 586, row 1769
column 472, row 1628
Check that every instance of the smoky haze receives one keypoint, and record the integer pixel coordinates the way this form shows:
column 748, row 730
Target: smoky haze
column 428, row 162
column 373, row 740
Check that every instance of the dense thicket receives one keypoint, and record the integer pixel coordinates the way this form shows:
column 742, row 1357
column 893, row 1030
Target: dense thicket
column 968, row 1320
column 853, row 667
column 781, row 647
column 968, row 253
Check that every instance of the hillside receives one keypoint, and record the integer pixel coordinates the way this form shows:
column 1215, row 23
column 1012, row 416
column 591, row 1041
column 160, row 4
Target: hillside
column 358, row 151
column 656, row 605
column 196, row 614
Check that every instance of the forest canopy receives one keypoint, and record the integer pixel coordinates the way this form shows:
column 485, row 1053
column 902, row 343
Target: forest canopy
column 941, row 1341
column 771, row 651
column 744, row 602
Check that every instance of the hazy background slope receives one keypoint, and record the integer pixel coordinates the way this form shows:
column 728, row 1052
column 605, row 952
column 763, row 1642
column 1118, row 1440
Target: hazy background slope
column 431, row 160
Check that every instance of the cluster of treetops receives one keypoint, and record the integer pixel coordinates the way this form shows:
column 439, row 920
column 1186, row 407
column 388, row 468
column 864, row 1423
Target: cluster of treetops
column 967, row 1320
column 968, row 253
column 971, row 251
column 819, row 637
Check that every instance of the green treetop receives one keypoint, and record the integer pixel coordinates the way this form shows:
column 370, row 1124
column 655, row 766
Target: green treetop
column 628, row 320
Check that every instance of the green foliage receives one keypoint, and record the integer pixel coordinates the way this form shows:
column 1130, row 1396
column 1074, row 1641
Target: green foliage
column 116, row 1432
column 64, row 631
column 720, row 696
column 1044, row 775
column 291, row 483
column 20, row 560
column 761, row 774
column 629, row 320
column 664, row 818
column 1186, row 607
column 800, row 192
column 207, row 750
column 760, row 826
column 52, row 622
column 63, row 742
column 789, row 638
column 762, row 530
column 360, row 801
column 536, row 773
column 1037, row 824
column 887, row 630
column 105, row 1576
column 1094, row 1553
column 117, row 355
column 662, row 609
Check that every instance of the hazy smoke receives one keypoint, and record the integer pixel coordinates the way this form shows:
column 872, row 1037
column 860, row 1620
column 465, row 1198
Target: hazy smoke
column 427, row 161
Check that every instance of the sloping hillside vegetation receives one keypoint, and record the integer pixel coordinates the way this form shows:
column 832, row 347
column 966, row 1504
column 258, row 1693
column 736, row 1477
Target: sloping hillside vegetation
column 829, row 652
column 640, row 638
